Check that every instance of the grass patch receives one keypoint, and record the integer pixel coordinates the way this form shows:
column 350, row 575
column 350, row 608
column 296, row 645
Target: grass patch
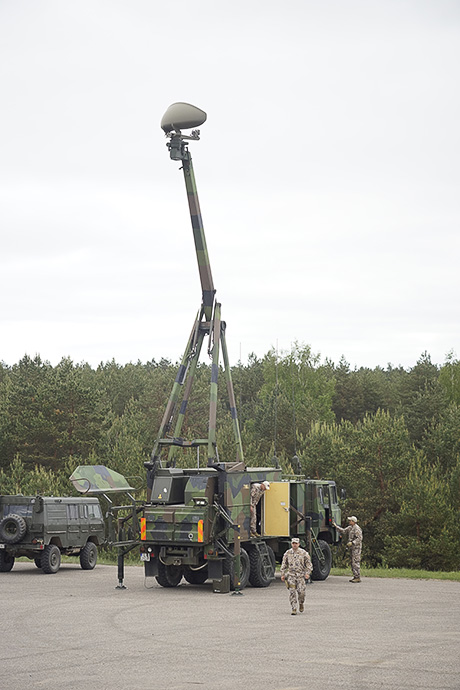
column 405, row 573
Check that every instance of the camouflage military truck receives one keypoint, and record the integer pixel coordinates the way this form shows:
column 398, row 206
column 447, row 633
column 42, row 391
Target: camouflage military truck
column 195, row 522
column 42, row 528
column 199, row 519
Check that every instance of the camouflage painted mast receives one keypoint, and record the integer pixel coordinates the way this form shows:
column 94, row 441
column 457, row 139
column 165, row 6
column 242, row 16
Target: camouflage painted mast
column 208, row 321
column 196, row 522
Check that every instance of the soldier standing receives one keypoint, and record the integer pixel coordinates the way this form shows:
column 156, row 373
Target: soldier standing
column 355, row 540
column 297, row 567
column 256, row 494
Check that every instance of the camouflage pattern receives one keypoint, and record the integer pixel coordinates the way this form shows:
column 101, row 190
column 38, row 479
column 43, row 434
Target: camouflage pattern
column 204, row 266
column 208, row 322
column 231, row 396
column 191, row 357
column 168, row 416
column 97, row 479
column 214, row 349
column 353, row 533
column 296, row 567
column 181, row 488
column 196, row 516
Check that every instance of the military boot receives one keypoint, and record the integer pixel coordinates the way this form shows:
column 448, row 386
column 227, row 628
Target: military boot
column 301, row 608
column 294, row 612
column 356, row 579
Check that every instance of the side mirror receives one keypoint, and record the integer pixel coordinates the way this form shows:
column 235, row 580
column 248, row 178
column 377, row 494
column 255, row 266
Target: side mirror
column 343, row 494
column 182, row 116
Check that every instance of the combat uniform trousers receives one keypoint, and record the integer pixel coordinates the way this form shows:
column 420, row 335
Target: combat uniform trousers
column 355, row 560
column 297, row 585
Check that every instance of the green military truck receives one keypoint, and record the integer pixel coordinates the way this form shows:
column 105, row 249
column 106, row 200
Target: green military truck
column 199, row 519
column 42, row 528
column 196, row 524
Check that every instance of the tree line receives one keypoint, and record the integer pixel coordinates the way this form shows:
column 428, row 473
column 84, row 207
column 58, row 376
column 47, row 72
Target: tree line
column 389, row 437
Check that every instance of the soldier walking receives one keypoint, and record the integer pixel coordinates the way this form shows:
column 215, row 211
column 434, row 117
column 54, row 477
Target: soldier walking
column 355, row 540
column 257, row 491
column 296, row 567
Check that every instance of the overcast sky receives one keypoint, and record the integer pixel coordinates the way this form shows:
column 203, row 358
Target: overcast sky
column 328, row 174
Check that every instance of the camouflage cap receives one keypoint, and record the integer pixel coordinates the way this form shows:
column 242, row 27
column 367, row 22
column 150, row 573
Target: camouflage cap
column 354, row 518
column 295, row 540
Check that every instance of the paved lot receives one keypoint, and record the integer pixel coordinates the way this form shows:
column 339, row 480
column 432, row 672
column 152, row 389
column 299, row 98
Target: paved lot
column 75, row 630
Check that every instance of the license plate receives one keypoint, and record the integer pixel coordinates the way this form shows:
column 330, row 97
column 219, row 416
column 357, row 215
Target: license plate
column 145, row 556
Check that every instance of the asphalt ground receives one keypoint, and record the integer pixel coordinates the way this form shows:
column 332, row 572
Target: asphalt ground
column 74, row 629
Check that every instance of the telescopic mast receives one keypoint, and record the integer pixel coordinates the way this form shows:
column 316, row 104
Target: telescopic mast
column 178, row 117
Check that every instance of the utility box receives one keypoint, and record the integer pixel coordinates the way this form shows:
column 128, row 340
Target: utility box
column 169, row 490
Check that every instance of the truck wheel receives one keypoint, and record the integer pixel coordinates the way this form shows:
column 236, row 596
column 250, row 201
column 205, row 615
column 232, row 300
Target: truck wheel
column 196, row 577
column 169, row 575
column 51, row 559
column 322, row 570
column 229, row 569
column 6, row 561
column 88, row 556
column 258, row 577
column 38, row 561
column 12, row 529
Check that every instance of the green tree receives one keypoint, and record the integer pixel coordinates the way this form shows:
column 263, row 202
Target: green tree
column 79, row 411
column 422, row 398
column 449, row 379
column 441, row 439
column 28, row 405
column 369, row 460
column 427, row 531
column 296, row 392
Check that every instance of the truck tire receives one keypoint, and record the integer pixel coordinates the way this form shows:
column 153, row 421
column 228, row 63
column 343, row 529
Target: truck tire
column 38, row 561
column 322, row 570
column 258, row 577
column 12, row 529
column 196, row 577
column 88, row 556
column 6, row 561
column 169, row 575
column 245, row 567
column 51, row 559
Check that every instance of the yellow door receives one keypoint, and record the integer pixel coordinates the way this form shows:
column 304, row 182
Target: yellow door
column 276, row 510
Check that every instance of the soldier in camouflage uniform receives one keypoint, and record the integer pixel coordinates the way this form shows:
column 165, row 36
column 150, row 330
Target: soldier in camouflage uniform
column 297, row 567
column 355, row 539
column 257, row 491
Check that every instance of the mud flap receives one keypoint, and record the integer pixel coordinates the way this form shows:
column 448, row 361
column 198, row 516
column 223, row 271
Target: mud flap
column 151, row 567
column 215, row 571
